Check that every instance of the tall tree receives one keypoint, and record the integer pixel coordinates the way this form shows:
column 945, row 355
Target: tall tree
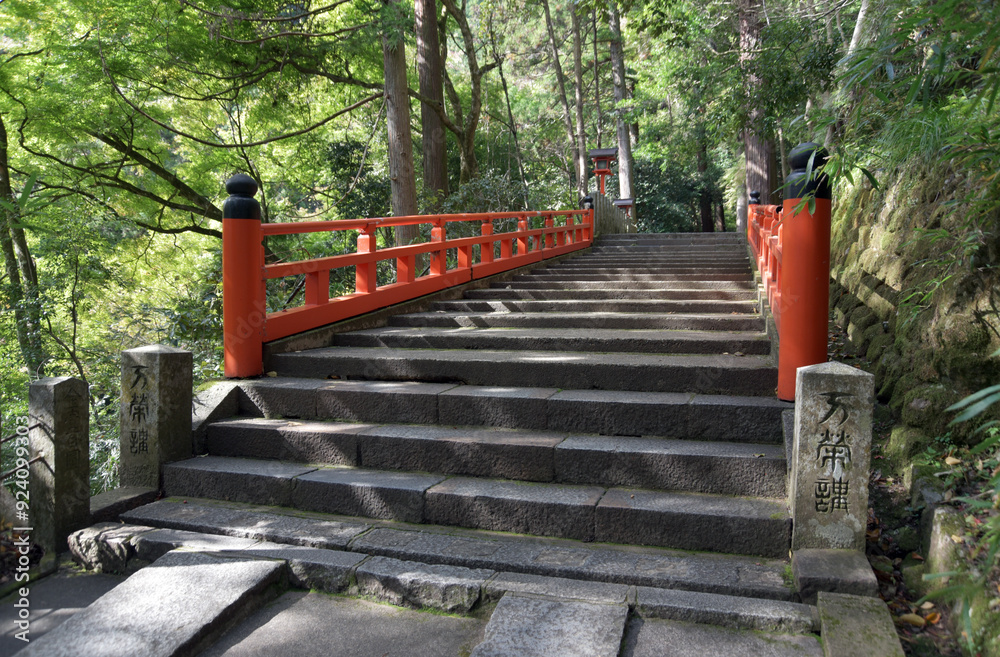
column 625, row 163
column 563, row 98
column 762, row 174
column 581, row 136
column 430, row 75
column 402, row 177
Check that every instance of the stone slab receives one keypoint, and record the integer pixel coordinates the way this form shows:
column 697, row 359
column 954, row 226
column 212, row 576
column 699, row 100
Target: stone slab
column 449, row 588
column 726, row 610
column 381, row 401
column 105, row 547
column 837, row 571
column 736, row 418
column 107, row 506
column 246, row 522
column 536, row 627
column 668, row 464
column 465, row 451
column 219, row 402
column 367, row 493
column 678, row 520
column 52, row 601
column 556, row 587
column 237, row 479
column 571, row 320
column 856, row 626
column 312, row 624
column 280, row 398
column 286, row 440
column 539, row 509
column 612, row 412
column 174, row 607
column 150, row 546
column 656, row 638
column 311, row 568
column 511, row 407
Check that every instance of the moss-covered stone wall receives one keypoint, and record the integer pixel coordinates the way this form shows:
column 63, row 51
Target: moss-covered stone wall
column 916, row 286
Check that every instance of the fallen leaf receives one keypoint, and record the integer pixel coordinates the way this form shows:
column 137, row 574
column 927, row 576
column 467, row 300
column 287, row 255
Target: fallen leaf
column 951, row 460
column 933, row 618
column 927, row 605
column 272, row 374
column 911, row 619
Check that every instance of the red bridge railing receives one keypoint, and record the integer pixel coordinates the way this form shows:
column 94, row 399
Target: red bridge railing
column 791, row 247
column 247, row 325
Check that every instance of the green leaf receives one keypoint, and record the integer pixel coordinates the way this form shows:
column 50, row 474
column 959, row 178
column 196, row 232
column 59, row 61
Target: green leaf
column 26, row 191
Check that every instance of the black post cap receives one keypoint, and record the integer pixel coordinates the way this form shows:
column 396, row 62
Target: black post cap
column 754, row 198
column 587, row 203
column 799, row 184
column 241, row 203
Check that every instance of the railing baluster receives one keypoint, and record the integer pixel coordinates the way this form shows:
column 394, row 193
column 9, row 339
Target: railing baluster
column 366, row 272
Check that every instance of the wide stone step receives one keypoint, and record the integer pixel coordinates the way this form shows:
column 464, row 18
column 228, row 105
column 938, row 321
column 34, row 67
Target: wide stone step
column 629, row 278
column 524, row 563
column 652, row 269
column 588, row 340
column 668, row 415
column 554, row 293
column 670, row 237
column 653, row 463
column 665, row 247
column 709, row 374
column 596, row 320
column 531, row 284
column 630, row 305
column 587, row 513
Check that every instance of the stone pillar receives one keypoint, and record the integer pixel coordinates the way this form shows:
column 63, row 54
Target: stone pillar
column 831, row 454
column 155, row 413
column 60, row 483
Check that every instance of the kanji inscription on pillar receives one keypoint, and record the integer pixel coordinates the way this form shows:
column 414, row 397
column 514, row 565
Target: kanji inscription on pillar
column 831, row 453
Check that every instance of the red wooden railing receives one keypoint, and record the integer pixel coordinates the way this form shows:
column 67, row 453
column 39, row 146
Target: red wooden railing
column 764, row 237
column 247, row 325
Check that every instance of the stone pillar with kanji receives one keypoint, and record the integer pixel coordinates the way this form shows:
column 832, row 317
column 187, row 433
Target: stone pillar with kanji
column 831, row 456
column 155, row 412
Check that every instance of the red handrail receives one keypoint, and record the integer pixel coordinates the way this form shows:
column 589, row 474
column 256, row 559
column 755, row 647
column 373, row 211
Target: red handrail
column 247, row 324
column 764, row 236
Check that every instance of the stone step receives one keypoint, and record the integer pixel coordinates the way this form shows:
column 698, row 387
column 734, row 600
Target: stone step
column 590, row 340
column 670, row 237
column 653, row 247
column 708, row 374
column 597, row 320
column 554, row 294
column 525, row 564
column 630, row 305
column 668, row 415
column 746, row 469
column 587, row 513
column 532, row 284
column 625, row 279
column 178, row 606
column 649, row 268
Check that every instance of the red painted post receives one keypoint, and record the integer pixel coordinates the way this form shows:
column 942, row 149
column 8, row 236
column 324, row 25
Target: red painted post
column 522, row 240
column 805, row 264
column 486, row 248
column 439, row 262
column 365, row 274
column 243, row 297
column 549, row 237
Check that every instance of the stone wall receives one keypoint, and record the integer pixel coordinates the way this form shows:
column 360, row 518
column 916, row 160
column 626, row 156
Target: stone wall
column 921, row 308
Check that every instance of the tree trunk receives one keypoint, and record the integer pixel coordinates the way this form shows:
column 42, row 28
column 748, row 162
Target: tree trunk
column 597, row 85
column 705, row 197
column 720, row 218
column 402, row 180
column 761, row 174
column 563, row 98
column 513, row 134
column 581, row 135
column 618, row 73
column 22, row 279
column 431, row 79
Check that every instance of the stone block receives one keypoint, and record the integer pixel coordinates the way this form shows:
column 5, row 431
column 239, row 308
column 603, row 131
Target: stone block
column 105, row 547
column 368, row 493
column 59, row 433
column 235, row 479
column 401, row 402
column 311, row 568
column 726, row 610
column 620, row 413
column 280, row 398
column 107, row 506
column 556, row 587
column 150, row 546
column 656, row 638
column 739, row 525
column 448, row 588
column 540, row 509
column 287, row 440
column 475, row 452
column 177, row 606
column 831, row 456
column 523, row 626
column 736, row 419
column 515, row 408
column 219, row 402
column 155, row 412
column 838, row 571
column 943, row 530
column 856, row 626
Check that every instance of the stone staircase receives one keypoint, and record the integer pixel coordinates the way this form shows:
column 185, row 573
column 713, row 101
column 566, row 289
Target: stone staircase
column 600, row 431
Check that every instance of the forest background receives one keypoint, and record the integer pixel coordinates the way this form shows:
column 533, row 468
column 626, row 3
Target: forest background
column 120, row 121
